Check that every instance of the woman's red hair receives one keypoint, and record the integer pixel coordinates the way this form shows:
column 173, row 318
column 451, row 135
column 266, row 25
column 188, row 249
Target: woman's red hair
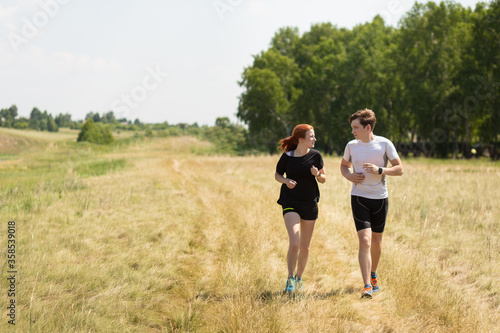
column 290, row 143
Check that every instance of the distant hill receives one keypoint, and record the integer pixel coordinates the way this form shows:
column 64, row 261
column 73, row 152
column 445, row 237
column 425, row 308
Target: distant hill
column 13, row 141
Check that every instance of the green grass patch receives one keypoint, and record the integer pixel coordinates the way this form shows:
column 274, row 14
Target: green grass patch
column 99, row 168
column 5, row 157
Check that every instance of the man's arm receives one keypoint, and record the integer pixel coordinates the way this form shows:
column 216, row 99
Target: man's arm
column 345, row 169
column 396, row 168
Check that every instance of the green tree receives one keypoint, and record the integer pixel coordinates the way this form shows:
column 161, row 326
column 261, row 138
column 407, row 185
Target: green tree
column 97, row 117
column 63, row 120
column 322, row 55
column 227, row 138
column 286, row 41
column 109, row 118
column 89, row 115
column 486, row 74
column 432, row 40
column 36, row 116
column 267, row 103
column 22, row 123
column 51, row 124
column 222, row 122
column 148, row 131
column 8, row 116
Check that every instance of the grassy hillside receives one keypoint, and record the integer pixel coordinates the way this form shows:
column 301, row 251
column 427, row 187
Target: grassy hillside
column 152, row 236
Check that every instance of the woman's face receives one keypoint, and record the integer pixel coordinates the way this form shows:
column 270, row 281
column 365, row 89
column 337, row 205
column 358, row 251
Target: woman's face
column 309, row 140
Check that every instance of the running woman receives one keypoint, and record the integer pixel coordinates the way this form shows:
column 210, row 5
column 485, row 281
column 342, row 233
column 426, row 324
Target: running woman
column 368, row 154
column 299, row 197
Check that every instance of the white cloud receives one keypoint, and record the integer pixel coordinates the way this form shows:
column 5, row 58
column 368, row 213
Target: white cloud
column 83, row 63
column 59, row 81
column 59, row 62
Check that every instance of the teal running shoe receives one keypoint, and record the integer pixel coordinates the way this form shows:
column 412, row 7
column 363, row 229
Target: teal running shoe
column 290, row 284
column 299, row 284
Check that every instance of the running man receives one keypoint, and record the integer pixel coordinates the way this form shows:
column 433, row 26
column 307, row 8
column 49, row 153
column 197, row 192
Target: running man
column 368, row 155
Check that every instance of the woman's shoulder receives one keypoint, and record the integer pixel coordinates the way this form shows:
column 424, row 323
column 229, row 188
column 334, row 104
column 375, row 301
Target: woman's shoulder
column 314, row 152
column 284, row 155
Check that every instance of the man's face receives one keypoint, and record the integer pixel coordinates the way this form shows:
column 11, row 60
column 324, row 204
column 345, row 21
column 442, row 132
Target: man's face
column 359, row 131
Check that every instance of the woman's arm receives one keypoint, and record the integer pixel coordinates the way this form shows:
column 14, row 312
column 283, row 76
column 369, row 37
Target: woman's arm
column 319, row 174
column 290, row 183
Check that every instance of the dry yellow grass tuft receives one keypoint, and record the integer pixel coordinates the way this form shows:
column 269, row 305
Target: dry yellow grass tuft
column 180, row 242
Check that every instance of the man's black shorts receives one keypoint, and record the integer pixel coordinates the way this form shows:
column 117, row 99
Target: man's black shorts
column 369, row 213
column 307, row 210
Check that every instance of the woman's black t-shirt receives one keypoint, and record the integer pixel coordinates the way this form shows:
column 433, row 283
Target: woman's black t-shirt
column 299, row 169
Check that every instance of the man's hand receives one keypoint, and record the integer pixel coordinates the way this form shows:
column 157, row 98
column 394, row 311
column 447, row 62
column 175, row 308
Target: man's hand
column 357, row 177
column 370, row 168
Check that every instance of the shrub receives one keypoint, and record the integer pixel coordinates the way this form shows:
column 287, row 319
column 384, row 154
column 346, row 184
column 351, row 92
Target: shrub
column 95, row 133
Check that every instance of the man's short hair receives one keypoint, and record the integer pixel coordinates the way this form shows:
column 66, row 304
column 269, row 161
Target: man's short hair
column 366, row 116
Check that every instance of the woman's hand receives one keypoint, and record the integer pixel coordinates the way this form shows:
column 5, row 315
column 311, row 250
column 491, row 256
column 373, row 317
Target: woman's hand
column 314, row 171
column 290, row 183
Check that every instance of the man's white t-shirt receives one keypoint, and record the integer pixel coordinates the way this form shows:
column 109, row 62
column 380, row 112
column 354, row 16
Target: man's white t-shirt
column 378, row 151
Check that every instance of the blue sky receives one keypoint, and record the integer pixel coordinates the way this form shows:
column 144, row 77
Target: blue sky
column 174, row 61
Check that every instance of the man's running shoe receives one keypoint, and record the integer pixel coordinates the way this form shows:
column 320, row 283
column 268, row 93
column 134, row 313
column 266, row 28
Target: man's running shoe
column 290, row 284
column 375, row 286
column 299, row 284
column 367, row 292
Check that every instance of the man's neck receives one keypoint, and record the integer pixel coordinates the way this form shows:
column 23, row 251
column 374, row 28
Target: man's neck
column 369, row 138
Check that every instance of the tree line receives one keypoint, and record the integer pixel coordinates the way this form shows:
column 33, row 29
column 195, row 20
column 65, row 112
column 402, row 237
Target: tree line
column 433, row 82
column 44, row 121
column 227, row 138
column 38, row 120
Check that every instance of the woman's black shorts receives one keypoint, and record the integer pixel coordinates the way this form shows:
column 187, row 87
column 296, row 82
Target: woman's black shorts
column 307, row 210
column 369, row 213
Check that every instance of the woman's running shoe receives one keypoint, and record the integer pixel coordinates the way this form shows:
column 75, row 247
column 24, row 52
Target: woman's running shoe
column 290, row 284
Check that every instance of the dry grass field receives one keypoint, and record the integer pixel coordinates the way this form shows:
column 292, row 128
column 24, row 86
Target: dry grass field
column 154, row 236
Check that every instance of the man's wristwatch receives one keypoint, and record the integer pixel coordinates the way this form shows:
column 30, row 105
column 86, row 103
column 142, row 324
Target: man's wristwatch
column 380, row 171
